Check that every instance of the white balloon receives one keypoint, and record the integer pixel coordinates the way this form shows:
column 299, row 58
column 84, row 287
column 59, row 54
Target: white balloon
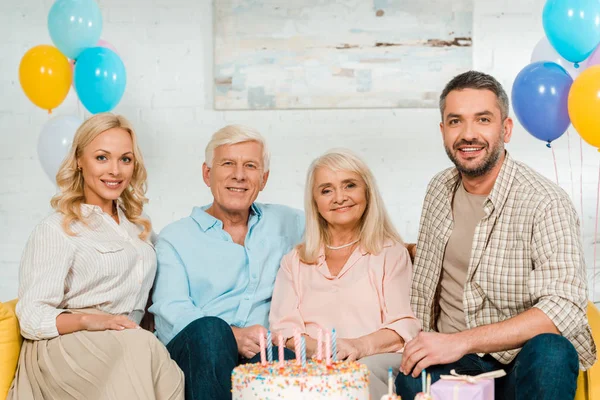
column 55, row 142
column 544, row 51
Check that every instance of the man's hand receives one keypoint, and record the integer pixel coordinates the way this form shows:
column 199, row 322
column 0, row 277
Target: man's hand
column 248, row 339
column 350, row 349
column 431, row 348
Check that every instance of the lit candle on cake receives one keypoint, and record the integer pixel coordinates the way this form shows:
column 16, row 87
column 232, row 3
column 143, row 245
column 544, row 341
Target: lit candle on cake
column 320, row 345
column 328, row 348
column 390, row 382
column 333, row 345
column 423, row 381
column 269, row 347
column 263, row 356
column 280, row 342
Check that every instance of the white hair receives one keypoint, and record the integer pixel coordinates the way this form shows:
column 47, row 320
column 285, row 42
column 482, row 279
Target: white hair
column 233, row 134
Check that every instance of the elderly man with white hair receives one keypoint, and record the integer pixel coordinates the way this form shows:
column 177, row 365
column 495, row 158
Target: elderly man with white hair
column 217, row 267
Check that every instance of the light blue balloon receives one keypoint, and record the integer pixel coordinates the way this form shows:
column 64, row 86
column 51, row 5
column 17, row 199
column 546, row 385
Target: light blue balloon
column 572, row 27
column 100, row 79
column 74, row 25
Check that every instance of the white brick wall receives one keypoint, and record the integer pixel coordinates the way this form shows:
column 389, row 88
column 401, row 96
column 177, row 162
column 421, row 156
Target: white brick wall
column 167, row 48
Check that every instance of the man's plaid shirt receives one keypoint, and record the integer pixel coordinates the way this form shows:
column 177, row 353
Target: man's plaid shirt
column 526, row 253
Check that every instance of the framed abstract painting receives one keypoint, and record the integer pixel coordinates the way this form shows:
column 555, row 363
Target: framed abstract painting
column 312, row 54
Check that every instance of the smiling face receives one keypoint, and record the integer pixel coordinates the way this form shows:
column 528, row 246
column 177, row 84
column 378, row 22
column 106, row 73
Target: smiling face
column 107, row 165
column 473, row 131
column 340, row 196
column 236, row 176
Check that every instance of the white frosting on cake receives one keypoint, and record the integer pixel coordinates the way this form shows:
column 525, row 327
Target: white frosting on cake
column 340, row 381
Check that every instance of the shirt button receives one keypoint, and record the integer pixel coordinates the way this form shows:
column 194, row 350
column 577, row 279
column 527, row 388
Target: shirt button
column 253, row 276
column 247, row 298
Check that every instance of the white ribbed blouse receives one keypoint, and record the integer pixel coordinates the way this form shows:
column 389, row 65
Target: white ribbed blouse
column 105, row 266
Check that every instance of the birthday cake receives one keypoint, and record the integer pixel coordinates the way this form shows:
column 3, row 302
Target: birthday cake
column 290, row 380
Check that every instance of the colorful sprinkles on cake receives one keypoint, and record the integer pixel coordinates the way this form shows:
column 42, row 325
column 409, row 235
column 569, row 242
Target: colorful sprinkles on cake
column 347, row 375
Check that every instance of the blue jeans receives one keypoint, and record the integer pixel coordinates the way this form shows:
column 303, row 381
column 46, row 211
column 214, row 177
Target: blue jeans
column 206, row 352
column 546, row 368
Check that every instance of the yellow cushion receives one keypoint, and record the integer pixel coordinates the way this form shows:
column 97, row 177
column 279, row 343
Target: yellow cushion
column 588, row 383
column 10, row 345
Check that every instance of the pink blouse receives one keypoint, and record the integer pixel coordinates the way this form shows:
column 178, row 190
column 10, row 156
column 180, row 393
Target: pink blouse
column 370, row 293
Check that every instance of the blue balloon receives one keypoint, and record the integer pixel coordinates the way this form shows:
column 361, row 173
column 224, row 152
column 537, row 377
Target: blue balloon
column 540, row 96
column 572, row 27
column 74, row 25
column 100, row 79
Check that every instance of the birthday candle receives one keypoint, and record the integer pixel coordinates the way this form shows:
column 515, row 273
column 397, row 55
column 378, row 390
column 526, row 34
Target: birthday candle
column 390, row 383
column 263, row 357
column 303, row 351
column 320, row 345
column 269, row 347
column 328, row 348
column 423, row 381
column 334, row 345
column 280, row 342
column 428, row 383
column 297, row 346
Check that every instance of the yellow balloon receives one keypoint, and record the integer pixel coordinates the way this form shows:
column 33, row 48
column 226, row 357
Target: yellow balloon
column 45, row 76
column 584, row 105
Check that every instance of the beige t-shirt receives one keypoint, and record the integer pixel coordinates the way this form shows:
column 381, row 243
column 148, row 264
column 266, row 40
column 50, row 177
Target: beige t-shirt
column 468, row 211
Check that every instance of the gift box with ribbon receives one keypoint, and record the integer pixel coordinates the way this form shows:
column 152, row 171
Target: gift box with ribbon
column 465, row 387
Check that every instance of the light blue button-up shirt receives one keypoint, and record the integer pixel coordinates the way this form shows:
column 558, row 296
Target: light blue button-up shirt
column 202, row 272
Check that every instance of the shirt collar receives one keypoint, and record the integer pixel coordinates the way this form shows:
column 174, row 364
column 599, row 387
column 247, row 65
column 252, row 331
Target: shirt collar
column 89, row 209
column 207, row 221
column 501, row 187
column 504, row 182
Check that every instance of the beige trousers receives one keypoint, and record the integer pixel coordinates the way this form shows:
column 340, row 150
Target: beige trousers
column 108, row 365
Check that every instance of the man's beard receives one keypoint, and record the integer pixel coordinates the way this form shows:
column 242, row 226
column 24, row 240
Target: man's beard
column 486, row 165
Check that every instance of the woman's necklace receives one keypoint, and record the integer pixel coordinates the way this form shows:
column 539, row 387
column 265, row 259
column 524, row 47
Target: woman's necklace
column 342, row 246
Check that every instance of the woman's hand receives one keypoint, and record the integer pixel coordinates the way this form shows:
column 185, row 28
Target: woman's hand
column 350, row 349
column 91, row 322
column 311, row 347
column 69, row 323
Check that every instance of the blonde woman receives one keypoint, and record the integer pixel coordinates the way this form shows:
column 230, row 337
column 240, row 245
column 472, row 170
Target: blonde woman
column 85, row 276
column 352, row 272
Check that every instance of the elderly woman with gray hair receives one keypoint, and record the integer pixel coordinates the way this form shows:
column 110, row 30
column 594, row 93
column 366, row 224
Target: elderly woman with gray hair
column 351, row 273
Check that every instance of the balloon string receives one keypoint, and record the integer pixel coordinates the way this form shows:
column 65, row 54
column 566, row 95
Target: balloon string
column 555, row 167
column 596, row 237
column 581, row 180
column 571, row 166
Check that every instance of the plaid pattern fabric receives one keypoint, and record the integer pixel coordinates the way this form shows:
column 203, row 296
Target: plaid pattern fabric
column 526, row 253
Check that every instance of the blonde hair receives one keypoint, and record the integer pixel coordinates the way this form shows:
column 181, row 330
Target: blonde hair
column 375, row 224
column 70, row 179
column 233, row 134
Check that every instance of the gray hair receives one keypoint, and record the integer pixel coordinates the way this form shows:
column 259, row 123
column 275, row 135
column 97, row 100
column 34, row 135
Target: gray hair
column 476, row 80
column 233, row 134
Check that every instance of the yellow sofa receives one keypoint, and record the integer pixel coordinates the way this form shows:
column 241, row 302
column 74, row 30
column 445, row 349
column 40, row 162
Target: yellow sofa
column 10, row 345
column 588, row 384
